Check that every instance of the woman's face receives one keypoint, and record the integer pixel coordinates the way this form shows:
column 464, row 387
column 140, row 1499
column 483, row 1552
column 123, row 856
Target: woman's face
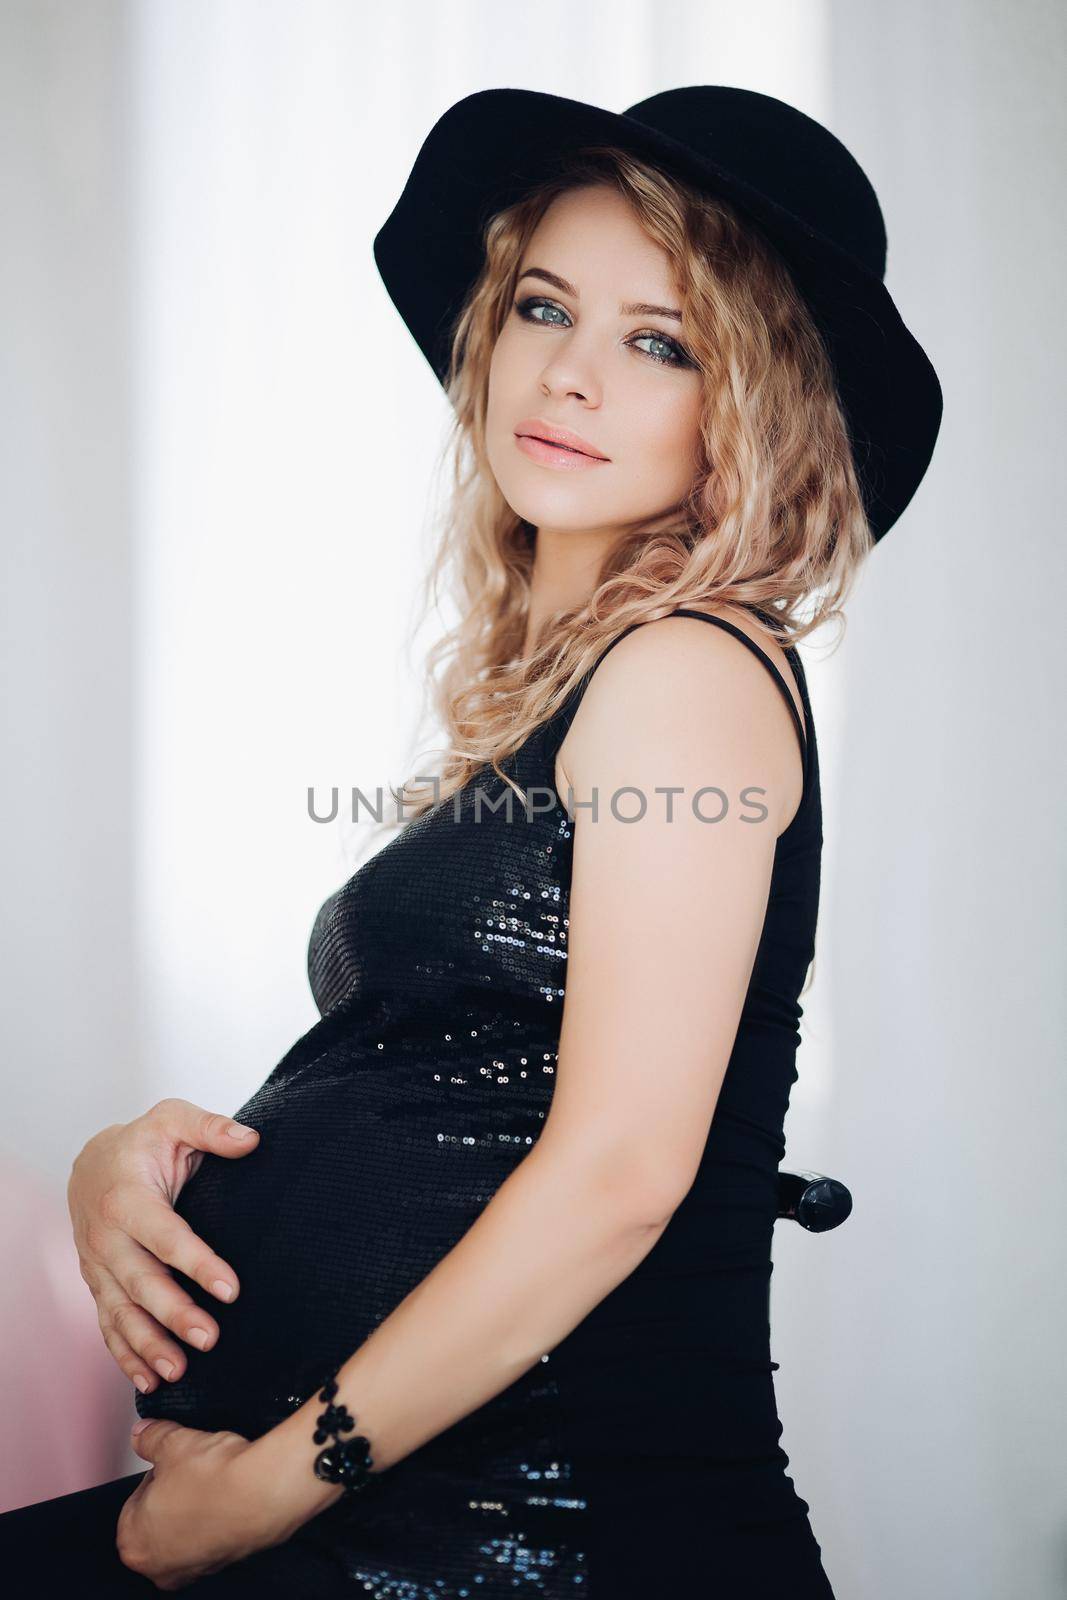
column 581, row 349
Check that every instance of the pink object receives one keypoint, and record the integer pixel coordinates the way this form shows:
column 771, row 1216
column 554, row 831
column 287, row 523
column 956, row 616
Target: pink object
column 551, row 455
column 66, row 1406
column 555, row 433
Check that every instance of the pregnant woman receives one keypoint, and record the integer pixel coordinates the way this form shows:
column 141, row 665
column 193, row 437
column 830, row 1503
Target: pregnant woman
column 484, row 1298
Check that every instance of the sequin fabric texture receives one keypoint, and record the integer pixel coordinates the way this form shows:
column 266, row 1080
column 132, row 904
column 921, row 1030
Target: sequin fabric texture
column 643, row 1451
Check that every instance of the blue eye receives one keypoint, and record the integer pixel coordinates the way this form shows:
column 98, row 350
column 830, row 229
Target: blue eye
column 526, row 308
column 676, row 357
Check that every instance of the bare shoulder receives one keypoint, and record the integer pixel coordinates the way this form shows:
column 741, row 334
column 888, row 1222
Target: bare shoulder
column 676, row 683
column 750, row 625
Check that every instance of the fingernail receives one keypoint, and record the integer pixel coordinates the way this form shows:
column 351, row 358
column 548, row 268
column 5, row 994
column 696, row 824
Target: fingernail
column 141, row 1381
column 222, row 1289
column 139, row 1427
column 164, row 1368
column 199, row 1337
column 237, row 1130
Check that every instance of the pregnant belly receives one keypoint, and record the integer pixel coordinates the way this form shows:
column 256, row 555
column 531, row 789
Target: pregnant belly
column 359, row 1185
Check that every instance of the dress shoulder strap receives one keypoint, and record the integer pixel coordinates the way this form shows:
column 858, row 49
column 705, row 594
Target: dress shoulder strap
column 739, row 633
column 567, row 711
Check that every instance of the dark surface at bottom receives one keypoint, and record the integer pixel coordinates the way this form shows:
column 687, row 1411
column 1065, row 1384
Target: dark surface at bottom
column 66, row 1546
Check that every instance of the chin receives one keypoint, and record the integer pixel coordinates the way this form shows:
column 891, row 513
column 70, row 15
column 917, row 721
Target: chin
column 558, row 506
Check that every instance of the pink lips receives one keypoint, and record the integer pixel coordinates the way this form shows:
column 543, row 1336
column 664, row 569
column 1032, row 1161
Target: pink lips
column 557, row 442
column 554, row 455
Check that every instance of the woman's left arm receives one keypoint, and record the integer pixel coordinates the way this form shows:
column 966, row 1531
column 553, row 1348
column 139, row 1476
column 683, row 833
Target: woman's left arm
column 665, row 918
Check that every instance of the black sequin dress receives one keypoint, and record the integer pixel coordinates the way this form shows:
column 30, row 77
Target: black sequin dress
column 640, row 1456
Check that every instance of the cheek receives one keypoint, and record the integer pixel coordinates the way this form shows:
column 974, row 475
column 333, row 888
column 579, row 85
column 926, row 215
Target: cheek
column 502, row 382
column 671, row 434
column 507, row 353
column 500, row 414
column 495, row 411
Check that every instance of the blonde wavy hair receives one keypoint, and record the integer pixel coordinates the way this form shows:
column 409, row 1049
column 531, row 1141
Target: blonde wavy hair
column 774, row 518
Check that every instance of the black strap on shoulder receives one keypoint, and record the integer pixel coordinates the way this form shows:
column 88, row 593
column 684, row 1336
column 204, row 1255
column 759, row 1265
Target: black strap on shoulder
column 567, row 712
column 739, row 633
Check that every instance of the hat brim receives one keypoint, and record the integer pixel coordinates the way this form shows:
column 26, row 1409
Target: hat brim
column 491, row 147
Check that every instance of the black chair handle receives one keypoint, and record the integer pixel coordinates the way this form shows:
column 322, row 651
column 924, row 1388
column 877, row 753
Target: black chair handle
column 818, row 1203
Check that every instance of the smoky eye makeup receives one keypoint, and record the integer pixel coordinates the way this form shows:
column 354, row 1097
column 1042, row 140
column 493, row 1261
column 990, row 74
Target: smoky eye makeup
column 527, row 306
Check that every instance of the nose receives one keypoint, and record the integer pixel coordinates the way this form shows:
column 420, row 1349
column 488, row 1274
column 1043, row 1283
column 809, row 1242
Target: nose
column 572, row 370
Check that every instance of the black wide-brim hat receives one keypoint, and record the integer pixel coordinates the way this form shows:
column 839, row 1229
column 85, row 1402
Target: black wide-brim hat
column 782, row 170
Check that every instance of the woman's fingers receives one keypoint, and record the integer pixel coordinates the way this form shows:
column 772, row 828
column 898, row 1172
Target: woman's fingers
column 121, row 1195
column 139, row 1307
column 150, row 1220
column 170, row 1139
column 151, row 1306
column 126, row 1263
column 134, row 1339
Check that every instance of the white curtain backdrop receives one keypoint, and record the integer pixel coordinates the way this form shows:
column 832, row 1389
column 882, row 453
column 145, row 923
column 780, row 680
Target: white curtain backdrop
column 219, row 451
column 287, row 433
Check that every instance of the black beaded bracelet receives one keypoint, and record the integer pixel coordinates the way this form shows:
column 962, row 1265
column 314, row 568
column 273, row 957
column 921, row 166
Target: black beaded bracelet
column 346, row 1461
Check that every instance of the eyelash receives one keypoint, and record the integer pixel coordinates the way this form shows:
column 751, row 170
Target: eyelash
column 523, row 308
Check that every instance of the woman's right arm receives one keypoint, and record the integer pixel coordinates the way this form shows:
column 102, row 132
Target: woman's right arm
column 121, row 1194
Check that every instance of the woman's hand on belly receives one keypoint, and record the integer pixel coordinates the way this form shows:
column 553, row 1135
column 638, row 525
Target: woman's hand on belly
column 197, row 1510
column 121, row 1194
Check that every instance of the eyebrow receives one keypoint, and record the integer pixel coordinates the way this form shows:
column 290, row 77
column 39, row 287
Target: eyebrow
column 636, row 309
